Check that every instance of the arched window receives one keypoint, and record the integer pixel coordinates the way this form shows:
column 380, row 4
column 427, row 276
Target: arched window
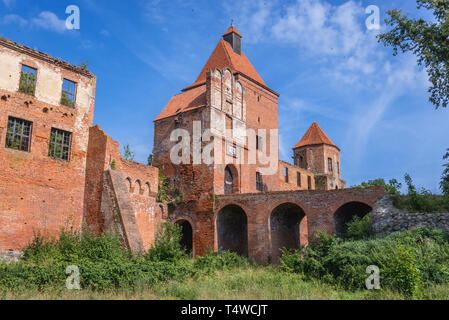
column 129, row 184
column 138, row 187
column 231, row 180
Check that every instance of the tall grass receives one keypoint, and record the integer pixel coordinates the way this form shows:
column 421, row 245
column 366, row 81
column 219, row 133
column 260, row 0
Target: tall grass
column 413, row 264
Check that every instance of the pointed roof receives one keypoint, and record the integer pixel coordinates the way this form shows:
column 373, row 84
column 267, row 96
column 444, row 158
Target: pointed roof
column 314, row 136
column 224, row 57
column 194, row 96
column 231, row 30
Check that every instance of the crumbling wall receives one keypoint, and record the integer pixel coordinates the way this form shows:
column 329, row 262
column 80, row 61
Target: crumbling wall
column 138, row 188
column 39, row 193
column 385, row 219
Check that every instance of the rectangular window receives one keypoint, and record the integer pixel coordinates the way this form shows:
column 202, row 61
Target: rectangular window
column 28, row 80
column 60, row 144
column 298, row 179
column 329, row 164
column 338, row 167
column 258, row 142
column 229, row 125
column 259, row 182
column 286, row 174
column 18, row 134
column 309, row 182
column 68, row 93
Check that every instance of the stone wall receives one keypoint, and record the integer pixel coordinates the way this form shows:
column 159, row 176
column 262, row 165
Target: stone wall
column 385, row 218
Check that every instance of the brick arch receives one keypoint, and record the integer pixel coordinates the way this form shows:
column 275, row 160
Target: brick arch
column 147, row 189
column 235, row 178
column 231, row 225
column 277, row 203
column 346, row 212
column 344, row 201
column 287, row 228
column 188, row 239
column 138, row 187
column 245, row 208
column 130, row 185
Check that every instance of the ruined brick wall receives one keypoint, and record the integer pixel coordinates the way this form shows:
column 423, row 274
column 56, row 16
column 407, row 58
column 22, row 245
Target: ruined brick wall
column 140, row 192
column 39, row 193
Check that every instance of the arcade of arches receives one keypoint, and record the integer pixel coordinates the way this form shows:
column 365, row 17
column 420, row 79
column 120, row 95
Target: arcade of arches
column 260, row 225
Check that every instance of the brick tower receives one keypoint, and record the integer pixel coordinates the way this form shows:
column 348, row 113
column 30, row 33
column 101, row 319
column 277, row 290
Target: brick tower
column 318, row 154
column 228, row 98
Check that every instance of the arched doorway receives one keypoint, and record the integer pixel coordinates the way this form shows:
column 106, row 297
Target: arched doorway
column 230, row 180
column 285, row 229
column 232, row 230
column 186, row 241
column 346, row 213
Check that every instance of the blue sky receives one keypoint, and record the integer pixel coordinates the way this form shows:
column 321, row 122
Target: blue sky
column 318, row 54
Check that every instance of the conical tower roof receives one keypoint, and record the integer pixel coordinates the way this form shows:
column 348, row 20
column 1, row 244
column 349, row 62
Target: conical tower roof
column 314, row 136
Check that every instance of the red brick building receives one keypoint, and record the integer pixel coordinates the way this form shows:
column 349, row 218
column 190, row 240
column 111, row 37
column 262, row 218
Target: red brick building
column 216, row 143
column 55, row 168
column 246, row 200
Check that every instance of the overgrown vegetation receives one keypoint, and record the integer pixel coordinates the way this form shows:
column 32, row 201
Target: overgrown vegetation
column 414, row 200
column 167, row 194
column 413, row 264
column 409, row 261
column 105, row 265
column 127, row 153
column 444, row 184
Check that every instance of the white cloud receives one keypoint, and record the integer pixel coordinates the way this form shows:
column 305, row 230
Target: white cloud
column 403, row 78
column 251, row 17
column 335, row 33
column 14, row 19
column 49, row 21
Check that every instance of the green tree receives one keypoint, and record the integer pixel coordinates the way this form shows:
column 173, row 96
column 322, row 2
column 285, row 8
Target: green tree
column 428, row 40
column 444, row 184
column 150, row 160
column 392, row 187
column 127, row 153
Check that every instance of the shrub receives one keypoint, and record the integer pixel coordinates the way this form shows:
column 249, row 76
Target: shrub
column 402, row 271
column 407, row 260
column 358, row 228
column 166, row 246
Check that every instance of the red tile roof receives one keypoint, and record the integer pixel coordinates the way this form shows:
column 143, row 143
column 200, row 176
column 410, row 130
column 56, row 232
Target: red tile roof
column 194, row 96
column 185, row 101
column 222, row 57
column 314, row 136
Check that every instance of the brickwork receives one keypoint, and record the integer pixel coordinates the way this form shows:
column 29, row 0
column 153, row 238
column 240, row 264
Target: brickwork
column 37, row 192
column 229, row 204
column 138, row 188
column 319, row 208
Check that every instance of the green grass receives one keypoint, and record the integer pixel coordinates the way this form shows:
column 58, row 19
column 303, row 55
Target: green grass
column 413, row 264
column 250, row 283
